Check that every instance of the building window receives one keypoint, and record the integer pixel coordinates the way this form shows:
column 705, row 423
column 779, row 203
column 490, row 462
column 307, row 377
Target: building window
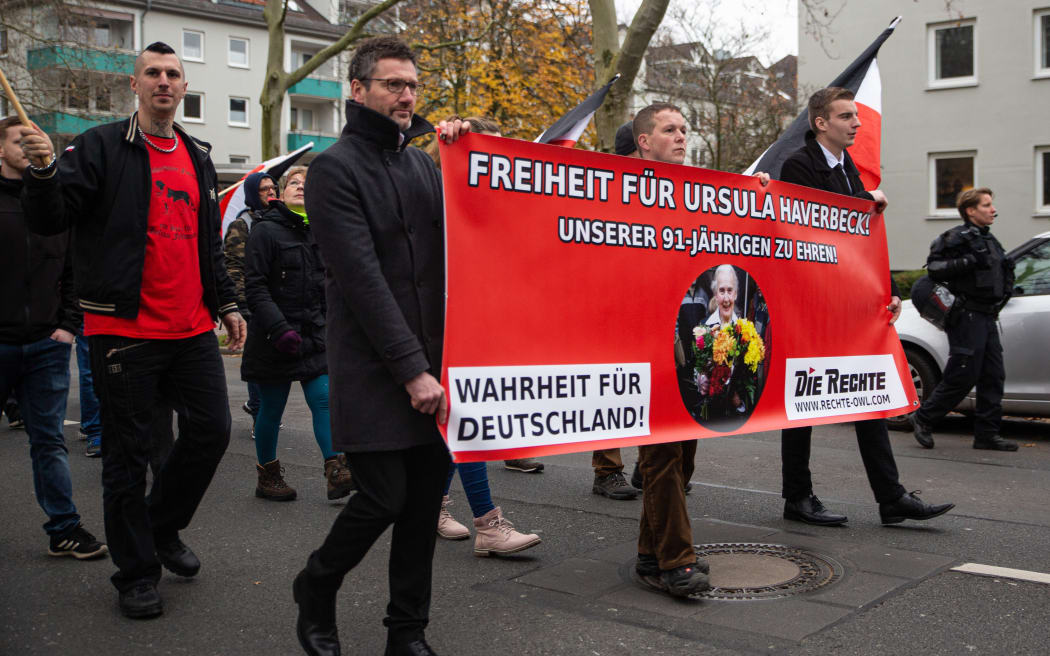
column 103, row 98
column 237, row 54
column 193, row 107
column 238, row 159
column 953, row 54
column 4, row 109
column 1042, row 43
column 302, row 119
column 193, row 46
column 238, row 112
column 1042, row 180
column 75, row 96
column 950, row 173
column 3, row 42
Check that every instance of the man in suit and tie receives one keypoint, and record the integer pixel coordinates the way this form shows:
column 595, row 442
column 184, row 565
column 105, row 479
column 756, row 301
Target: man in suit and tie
column 824, row 163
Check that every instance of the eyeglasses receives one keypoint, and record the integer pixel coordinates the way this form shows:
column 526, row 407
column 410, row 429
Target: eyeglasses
column 396, row 86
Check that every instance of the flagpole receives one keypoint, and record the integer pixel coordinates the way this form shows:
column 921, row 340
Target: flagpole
column 14, row 100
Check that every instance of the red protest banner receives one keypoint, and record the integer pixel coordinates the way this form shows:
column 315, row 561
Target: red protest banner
column 596, row 301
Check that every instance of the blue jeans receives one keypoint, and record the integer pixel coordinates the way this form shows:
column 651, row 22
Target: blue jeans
column 475, row 479
column 90, row 415
column 39, row 375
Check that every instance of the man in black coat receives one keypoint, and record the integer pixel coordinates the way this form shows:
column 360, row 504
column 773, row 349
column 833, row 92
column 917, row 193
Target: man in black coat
column 375, row 205
column 824, row 163
column 972, row 263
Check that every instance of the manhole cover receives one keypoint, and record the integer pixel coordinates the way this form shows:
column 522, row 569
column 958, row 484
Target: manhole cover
column 748, row 570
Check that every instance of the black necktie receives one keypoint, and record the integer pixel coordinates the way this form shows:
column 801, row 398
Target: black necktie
column 842, row 173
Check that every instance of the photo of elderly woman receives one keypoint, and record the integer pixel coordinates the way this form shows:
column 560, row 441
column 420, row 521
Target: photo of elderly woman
column 722, row 347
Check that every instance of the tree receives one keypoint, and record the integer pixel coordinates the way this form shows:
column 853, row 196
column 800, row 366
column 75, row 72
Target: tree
column 67, row 64
column 736, row 107
column 278, row 81
column 611, row 58
column 527, row 66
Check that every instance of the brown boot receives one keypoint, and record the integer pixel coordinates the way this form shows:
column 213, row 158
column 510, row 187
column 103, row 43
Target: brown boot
column 271, row 483
column 338, row 476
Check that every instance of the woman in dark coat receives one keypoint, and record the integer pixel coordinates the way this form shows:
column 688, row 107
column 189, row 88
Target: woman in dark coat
column 284, row 286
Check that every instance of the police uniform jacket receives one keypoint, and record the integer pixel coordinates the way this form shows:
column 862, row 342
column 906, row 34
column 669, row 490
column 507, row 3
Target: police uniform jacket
column 974, row 266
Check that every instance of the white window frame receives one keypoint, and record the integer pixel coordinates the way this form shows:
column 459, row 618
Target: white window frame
column 190, row 119
column 932, row 82
column 247, row 52
column 1037, row 43
column 946, row 212
column 186, row 57
column 1040, row 209
column 247, row 113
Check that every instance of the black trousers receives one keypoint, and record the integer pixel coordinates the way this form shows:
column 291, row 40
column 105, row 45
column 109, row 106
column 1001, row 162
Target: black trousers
column 975, row 357
column 875, row 451
column 138, row 383
column 403, row 488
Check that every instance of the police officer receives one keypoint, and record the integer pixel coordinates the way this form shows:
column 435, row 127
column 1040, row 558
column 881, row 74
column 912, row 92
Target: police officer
column 972, row 263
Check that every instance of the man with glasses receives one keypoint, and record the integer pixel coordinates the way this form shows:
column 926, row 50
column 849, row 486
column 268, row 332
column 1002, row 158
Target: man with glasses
column 376, row 209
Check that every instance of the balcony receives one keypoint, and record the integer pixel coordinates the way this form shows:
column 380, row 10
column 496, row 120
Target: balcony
column 62, row 123
column 105, row 61
column 317, row 88
column 321, row 141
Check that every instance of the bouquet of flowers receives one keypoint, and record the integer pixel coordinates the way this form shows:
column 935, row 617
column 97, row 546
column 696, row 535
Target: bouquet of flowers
column 726, row 369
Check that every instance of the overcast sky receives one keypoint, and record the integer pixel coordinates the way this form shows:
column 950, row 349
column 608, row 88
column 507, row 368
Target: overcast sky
column 778, row 17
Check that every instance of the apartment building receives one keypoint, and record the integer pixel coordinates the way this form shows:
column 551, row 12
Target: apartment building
column 965, row 92
column 75, row 73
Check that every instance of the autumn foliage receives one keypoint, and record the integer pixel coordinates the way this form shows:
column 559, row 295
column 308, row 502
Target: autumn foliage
column 525, row 63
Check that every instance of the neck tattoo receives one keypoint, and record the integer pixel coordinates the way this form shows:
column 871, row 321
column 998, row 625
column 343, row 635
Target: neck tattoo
column 158, row 148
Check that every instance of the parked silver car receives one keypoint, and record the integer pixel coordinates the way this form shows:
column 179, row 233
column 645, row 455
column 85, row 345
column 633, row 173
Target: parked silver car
column 1024, row 329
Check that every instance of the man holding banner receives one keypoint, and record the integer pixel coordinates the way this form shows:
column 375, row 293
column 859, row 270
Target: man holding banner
column 824, row 163
column 376, row 208
column 666, row 559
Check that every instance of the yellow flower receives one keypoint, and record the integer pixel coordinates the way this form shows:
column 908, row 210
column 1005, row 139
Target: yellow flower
column 756, row 350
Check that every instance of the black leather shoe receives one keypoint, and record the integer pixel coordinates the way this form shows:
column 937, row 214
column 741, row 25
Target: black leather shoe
column 811, row 511
column 178, row 558
column 413, row 648
column 315, row 626
column 141, row 602
column 923, row 434
column 994, row 443
column 910, row 506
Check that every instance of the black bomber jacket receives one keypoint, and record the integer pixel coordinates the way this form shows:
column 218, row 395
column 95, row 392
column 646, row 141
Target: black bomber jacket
column 101, row 190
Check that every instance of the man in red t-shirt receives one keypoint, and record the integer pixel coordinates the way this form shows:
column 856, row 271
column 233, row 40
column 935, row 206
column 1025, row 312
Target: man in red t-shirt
column 151, row 280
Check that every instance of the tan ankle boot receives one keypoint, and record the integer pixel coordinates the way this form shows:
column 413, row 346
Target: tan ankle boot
column 496, row 536
column 271, row 483
column 448, row 527
column 338, row 476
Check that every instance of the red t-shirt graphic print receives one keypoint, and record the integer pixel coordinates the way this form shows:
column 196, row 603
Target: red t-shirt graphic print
column 171, row 304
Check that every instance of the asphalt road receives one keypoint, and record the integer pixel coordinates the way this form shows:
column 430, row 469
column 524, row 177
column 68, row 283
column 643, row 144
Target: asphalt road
column 251, row 549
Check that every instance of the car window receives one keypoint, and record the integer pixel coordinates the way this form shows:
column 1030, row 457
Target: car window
column 1032, row 272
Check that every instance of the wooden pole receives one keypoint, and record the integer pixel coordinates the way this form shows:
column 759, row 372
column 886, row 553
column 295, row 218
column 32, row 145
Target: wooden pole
column 14, row 100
